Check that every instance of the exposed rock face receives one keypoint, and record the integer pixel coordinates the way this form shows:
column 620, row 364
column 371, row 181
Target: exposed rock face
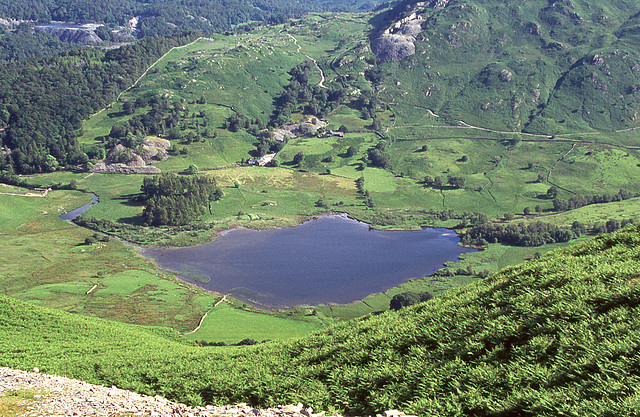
column 393, row 47
column 398, row 40
column 133, row 163
column 72, row 33
column 292, row 131
column 154, row 150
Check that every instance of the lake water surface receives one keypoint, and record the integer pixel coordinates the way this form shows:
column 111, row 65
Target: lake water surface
column 331, row 259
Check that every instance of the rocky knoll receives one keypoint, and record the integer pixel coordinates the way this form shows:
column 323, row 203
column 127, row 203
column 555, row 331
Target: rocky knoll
column 397, row 41
column 61, row 396
column 122, row 160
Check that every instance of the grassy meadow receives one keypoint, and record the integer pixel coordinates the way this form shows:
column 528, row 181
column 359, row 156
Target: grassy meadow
column 228, row 324
column 46, row 262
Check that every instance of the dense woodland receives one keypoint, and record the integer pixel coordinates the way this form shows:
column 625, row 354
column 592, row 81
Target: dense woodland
column 22, row 43
column 43, row 101
column 160, row 18
column 169, row 17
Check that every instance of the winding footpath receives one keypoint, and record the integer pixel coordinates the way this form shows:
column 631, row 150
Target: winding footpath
column 573, row 146
column 44, row 194
column 224, row 298
column 322, row 79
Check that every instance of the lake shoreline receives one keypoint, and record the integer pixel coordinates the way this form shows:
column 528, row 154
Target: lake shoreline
column 254, row 301
column 340, row 257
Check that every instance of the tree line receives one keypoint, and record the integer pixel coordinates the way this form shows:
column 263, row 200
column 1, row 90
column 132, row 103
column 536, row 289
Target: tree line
column 521, row 234
column 578, row 201
column 535, row 234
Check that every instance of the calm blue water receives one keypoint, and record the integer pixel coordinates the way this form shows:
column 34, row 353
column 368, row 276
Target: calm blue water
column 331, row 259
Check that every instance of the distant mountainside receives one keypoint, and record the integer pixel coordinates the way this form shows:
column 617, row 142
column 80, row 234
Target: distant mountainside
column 170, row 17
column 559, row 335
column 535, row 66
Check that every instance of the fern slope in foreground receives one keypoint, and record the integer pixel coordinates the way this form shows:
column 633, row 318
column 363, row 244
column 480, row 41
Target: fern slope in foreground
column 556, row 336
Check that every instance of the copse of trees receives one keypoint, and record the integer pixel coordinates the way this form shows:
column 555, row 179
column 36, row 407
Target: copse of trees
column 406, row 299
column 379, row 156
column 238, row 121
column 534, row 234
column 300, row 95
column 454, row 181
column 610, row 226
column 368, row 103
column 177, row 200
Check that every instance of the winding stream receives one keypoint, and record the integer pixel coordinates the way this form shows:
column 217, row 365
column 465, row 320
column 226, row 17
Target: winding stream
column 71, row 215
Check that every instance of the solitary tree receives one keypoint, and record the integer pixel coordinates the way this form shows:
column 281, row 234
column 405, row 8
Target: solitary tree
column 298, row 158
column 406, row 299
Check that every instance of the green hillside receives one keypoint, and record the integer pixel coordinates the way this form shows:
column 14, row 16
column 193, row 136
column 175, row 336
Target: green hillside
column 554, row 336
column 535, row 66
column 431, row 140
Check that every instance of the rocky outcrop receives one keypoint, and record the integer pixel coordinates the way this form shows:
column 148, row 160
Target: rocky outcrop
column 72, row 33
column 307, row 127
column 121, row 160
column 61, row 396
column 154, row 150
column 393, row 47
column 398, row 40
